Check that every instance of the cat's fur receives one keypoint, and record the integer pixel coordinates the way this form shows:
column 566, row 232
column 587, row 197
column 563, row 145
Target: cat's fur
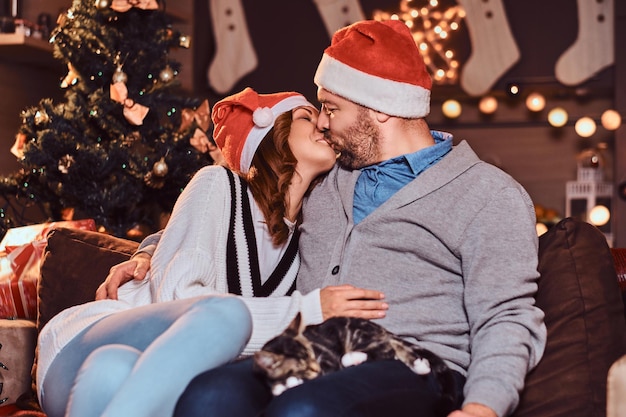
column 303, row 353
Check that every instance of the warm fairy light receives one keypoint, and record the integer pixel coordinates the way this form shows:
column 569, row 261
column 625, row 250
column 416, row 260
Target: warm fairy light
column 585, row 127
column 557, row 117
column 541, row 228
column 611, row 120
column 451, row 109
column 431, row 28
column 599, row 215
column 488, row 105
column 535, row 102
column 512, row 89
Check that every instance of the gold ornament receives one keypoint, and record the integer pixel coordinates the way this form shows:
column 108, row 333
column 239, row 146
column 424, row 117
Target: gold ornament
column 184, row 41
column 160, row 168
column 102, row 4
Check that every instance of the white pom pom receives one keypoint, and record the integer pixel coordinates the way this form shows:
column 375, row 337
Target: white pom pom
column 278, row 389
column 353, row 358
column 421, row 366
column 293, row 381
column 263, row 117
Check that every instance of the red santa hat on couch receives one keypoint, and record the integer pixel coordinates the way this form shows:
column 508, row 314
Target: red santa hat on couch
column 377, row 65
column 242, row 120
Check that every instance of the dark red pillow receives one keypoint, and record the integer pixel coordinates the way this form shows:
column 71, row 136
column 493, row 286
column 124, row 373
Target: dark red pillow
column 579, row 293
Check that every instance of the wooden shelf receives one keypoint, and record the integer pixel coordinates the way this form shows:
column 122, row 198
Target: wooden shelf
column 18, row 48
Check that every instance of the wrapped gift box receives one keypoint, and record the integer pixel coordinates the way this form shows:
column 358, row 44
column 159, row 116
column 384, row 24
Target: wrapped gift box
column 20, row 255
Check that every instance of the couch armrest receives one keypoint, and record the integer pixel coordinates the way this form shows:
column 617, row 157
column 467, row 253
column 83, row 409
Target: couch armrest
column 616, row 387
column 18, row 338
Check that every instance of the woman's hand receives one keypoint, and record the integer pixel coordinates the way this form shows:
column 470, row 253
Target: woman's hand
column 350, row 301
column 135, row 268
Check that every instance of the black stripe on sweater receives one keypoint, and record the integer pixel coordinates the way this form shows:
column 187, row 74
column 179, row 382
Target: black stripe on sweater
column 232, row 266
column 253, row 253
column 245, row 221
column 282, row 268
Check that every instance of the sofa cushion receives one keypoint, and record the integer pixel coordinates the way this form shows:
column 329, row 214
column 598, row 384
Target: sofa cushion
column 584, row 316
column 74, row 264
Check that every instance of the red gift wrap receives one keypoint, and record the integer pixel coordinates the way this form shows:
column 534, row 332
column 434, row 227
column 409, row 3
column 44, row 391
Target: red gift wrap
column 21, row 250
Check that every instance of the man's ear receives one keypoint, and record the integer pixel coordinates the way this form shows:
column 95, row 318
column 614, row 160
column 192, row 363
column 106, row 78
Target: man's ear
column 381, row 117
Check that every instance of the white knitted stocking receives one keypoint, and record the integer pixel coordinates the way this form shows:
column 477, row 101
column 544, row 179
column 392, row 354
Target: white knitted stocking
column 494, row 49
column 339, row 13
column 234, row 52
column 593, row 49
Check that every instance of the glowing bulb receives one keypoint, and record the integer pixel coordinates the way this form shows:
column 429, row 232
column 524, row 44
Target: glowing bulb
column 599, row 215
column 557, row 117
column 611, row 120
column 541, row 228
column 585, row 127
column 513, row 89
column 488, row 105
column 535, row 102
column 451, row 109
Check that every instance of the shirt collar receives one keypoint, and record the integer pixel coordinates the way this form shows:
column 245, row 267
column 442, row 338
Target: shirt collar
column 415, row 160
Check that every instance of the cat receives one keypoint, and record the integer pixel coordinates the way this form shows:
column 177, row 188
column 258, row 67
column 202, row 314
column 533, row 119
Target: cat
column 304, row 353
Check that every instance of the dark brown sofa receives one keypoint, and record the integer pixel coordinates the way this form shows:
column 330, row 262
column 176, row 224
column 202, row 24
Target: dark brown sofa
column 579, row 291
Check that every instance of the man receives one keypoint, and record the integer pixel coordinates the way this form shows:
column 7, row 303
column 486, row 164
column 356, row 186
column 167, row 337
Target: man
column 449, row 240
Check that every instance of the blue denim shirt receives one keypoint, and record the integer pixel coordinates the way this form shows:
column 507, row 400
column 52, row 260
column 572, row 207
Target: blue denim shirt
column 377, row 183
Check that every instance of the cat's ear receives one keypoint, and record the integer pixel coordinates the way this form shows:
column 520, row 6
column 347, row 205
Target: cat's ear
column 296, row 325
column 266, row 360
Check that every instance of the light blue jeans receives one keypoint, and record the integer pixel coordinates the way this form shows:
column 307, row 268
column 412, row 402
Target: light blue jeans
column 138, row 362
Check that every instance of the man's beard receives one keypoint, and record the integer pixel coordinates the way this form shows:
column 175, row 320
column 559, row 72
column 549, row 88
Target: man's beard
column 362, row 144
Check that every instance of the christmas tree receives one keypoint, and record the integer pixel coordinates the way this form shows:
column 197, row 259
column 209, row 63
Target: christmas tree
column 123, row 144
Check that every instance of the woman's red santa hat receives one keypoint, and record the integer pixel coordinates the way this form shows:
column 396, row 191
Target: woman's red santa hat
column 379, row 66
column 242, row 120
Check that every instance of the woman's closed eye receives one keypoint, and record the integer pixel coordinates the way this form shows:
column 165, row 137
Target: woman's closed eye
column 305, row 113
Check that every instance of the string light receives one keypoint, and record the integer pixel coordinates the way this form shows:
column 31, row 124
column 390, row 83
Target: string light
column 431, row 28
column 599, row 215
column 488, row 105
column 557, row 117
column 513, row 89
column 535, row 102
column 585, row 127
column 451, row 109
column 611, row 120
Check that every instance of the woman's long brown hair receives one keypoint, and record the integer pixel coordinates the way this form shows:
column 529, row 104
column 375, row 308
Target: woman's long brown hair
column 273, row 167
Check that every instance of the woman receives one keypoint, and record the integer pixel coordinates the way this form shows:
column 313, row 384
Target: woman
column 230, row 232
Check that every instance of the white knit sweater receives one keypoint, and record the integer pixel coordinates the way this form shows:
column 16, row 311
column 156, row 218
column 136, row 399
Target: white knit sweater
column 191, row 260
